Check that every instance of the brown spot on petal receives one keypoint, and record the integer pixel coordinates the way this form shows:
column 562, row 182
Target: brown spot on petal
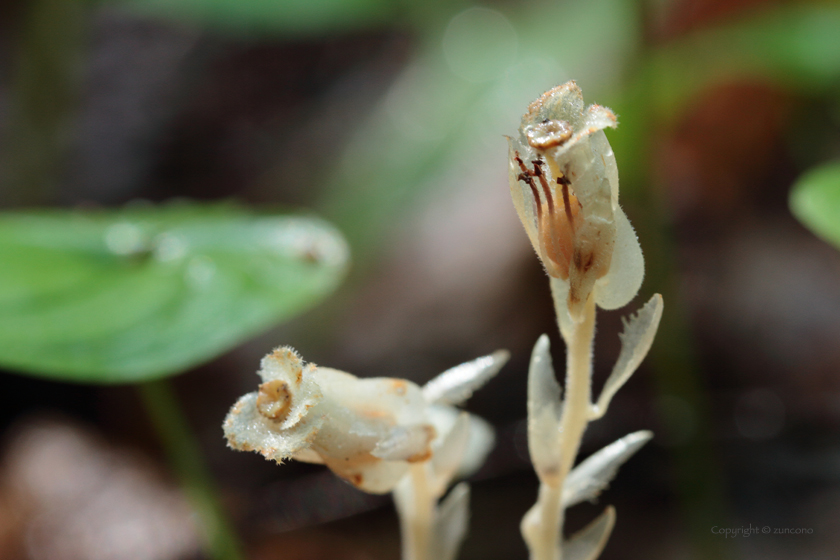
column 426, row 454
column 420, row 457
column 274, row 400
column 357, row 479
column 398, row 386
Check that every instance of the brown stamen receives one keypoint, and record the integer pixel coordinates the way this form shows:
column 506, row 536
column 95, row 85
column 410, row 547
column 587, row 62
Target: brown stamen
column 564, row 182
column 538, row 173
column 526, row 176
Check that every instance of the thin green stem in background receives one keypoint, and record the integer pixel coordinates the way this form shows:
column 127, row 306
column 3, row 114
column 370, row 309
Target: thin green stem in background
column 44, row 91
column 187, row 461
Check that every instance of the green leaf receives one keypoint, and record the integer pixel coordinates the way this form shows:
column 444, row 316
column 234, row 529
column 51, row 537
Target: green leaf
column 815, row 201
column 145, row 292
column 286, row 17
column 794, row 46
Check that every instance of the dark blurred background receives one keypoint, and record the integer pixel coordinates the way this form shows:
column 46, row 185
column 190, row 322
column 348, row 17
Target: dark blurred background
column 387, row 118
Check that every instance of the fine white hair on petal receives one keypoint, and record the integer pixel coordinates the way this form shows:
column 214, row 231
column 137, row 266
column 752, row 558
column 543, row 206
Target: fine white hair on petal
column 247, row 430
column 284, row 364
column 457, row 384
column 367, row 431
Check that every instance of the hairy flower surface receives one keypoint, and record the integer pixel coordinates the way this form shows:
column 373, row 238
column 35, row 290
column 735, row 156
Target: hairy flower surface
column 564, row 185
column 367, row 431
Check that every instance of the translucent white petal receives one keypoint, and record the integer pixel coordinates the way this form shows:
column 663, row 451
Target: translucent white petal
column 369, row 473
column 452, row 522
column 395, row 400
column 247, row 430
column 591, row 476
column 482, row 440
column 457, row 384
column 544, row 411
column 405, row 443
column 606, row 162
column 449, row 453
column 590, row 541
column 479, row 443
column 562, row 103
column 284, row 364
column 598, row 117
column 636, row 340
column 307, row 456
column 627, row 269
column 520, row 193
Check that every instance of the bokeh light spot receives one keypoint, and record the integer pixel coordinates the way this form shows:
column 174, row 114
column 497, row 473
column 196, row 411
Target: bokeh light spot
column 479, row 44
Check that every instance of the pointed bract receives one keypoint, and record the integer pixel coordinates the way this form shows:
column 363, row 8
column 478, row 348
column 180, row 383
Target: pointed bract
column 452, row 522
column 590, row 541
column 457, row 384
column 591, row 476
column 636, row 340
column 449, row 454
column 544, row 411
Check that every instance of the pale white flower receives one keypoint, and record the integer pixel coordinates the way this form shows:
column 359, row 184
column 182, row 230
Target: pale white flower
column 564, row 185
column 367, row 431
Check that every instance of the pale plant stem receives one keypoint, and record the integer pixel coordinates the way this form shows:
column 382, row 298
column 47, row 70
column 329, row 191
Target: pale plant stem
column 573, row 423
column 417, row 524
column 547, row 545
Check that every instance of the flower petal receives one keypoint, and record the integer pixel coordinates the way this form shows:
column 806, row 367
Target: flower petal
column 284, row 364
column 406, row 443
column 627, row 269
column 479, row 443
column 370, row 473
column 449, row 453
column 247, row 430
column 561, row 103
column 520, row 192
column 398, row 400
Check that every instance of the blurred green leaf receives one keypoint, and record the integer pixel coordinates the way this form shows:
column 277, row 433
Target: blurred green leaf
column 815, row 201
column 287, row 17
column 795, row 46
column 145, row 292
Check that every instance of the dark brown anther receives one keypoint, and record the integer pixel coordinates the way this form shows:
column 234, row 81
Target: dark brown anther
column 527, row 176
column 541, row 176
column 521, row 163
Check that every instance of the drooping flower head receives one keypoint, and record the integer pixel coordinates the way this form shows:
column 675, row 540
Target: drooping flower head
column 564, row 185
column 367, row 431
